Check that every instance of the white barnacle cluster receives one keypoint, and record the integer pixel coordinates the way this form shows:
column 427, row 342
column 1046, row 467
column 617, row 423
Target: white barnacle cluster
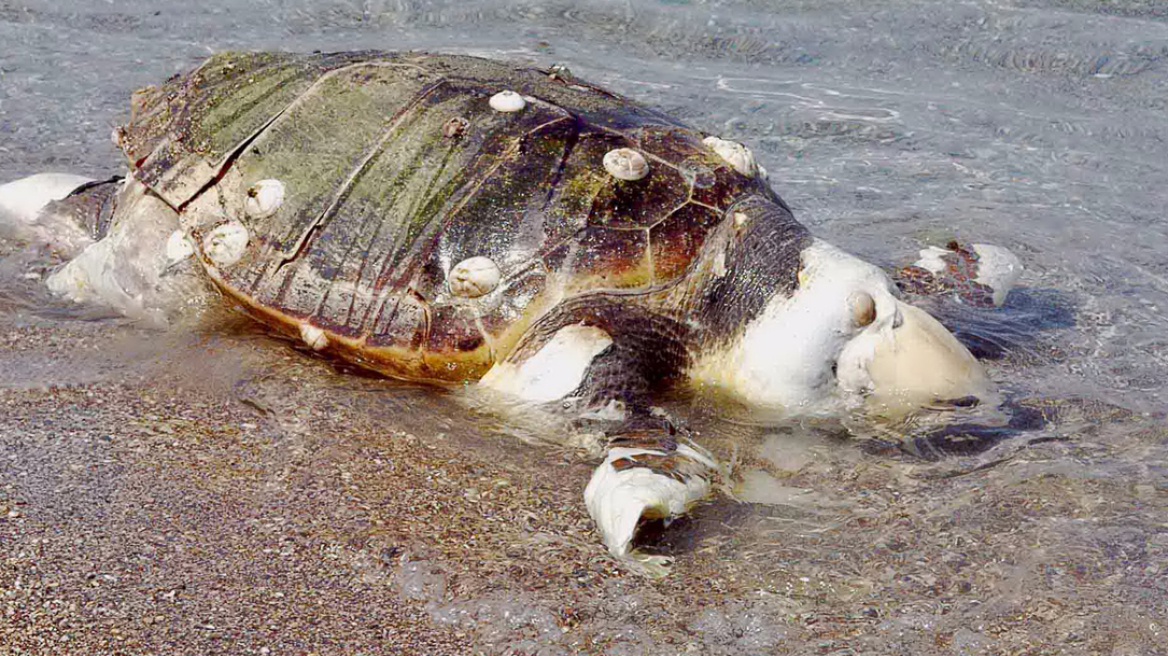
column 626, row 164
column 473, row 277
column 264, row 198
column 507, row 101
column 736, row 155
column 226, row 244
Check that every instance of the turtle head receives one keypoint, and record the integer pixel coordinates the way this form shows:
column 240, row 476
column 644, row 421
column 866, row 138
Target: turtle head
column 909, row 360
column 838, row 330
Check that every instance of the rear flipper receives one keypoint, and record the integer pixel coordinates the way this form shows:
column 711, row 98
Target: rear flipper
column 30, row 210
column 605, row 360
column 123, row 244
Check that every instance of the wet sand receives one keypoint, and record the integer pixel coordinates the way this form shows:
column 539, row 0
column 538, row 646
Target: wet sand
column 211, row 490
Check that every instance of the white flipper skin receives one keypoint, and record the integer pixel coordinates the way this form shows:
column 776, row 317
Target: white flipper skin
column 932, row 259
column 555, row 370
column 23, row 199
column 21, row 205
column 618, row 500
column 998, row 269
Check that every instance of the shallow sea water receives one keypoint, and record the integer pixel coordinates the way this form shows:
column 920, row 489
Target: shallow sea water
column 214, row 477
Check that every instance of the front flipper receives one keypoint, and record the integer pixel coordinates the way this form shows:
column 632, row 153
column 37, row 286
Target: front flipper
column 645, row 475
column 980, row 275
column 604, row 361
column 22, row 200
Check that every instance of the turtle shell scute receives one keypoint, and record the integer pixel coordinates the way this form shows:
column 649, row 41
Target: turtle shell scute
column 676, row 241
column 632, row 204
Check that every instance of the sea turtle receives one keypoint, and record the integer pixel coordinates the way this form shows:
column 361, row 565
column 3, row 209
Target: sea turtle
column 454, row 219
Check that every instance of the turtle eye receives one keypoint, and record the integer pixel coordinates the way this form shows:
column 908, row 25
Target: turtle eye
column 862, row 308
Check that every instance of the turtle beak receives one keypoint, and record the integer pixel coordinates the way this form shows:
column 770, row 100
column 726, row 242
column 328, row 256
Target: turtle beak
column 914, row 361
